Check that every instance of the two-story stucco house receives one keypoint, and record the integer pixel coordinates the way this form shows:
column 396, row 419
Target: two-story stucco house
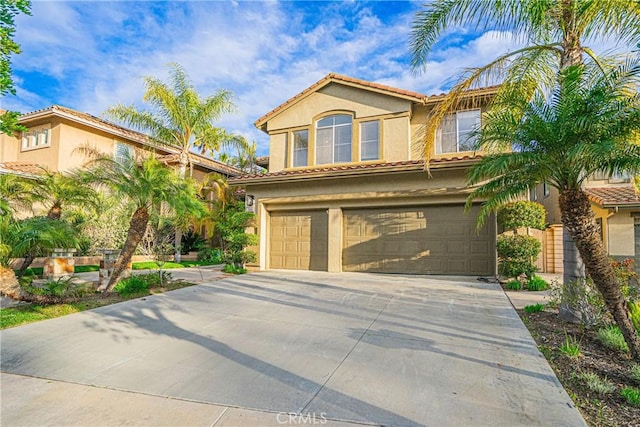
column 53, row 135
column 346, row 188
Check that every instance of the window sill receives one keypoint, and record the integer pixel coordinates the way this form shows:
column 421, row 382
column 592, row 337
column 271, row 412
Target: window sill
column 335, row 165
column 37, row 147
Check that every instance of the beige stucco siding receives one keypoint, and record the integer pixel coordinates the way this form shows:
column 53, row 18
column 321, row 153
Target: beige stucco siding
column 278, row 152
column 396, row 139
column 333, row 98
column 620, row 236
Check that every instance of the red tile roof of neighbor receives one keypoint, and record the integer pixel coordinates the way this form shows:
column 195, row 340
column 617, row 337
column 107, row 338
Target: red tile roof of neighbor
column 21, row 168
column 135, row 136
column 624, row 195
column 329, row 171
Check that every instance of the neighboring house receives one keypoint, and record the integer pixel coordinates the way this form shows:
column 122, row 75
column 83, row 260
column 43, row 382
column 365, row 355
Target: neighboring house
column 617, row 209
column 54, row 134
column 346, row 189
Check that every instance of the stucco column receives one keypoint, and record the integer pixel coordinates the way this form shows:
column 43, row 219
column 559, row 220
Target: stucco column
column 334, row 252
column 263, row 236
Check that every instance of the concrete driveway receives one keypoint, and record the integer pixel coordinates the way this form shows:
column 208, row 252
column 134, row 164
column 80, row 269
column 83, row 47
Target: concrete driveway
column 280, row 348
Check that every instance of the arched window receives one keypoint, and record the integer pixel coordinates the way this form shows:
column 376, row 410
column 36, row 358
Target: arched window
column 333, row 139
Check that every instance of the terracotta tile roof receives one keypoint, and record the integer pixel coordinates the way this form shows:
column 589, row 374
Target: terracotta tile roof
column 332, row 77
column 20, row 168
column 330, row 170
column 624, row 195
column 132, row 135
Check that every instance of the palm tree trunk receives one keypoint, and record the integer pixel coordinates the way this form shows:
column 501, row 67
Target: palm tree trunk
column 573, row 275
column 184, row 162
column 137, row 227
column 26, row 262
column 579, row 220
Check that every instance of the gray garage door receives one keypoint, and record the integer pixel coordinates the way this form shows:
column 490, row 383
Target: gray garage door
column 418, row 240
column 298, row 240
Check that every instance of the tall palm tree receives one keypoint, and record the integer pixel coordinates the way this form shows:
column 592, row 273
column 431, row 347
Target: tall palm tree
column 555, row 33
column 586, row 124
column 179, row 118
column 149, row 185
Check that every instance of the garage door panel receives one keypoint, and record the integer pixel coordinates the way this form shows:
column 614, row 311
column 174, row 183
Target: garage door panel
column 421, row 240
column 298, row 240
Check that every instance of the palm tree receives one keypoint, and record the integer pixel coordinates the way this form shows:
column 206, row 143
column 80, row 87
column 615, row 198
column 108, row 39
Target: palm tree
column 149, row 186
column 555, row 32
column 180, row 118
column 583, row 126
column 53, row 191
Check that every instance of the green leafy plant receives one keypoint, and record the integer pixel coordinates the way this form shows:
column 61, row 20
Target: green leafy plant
column 514, row 285
column 534, row 308
column 232, row 269
column 537, row 283
column 634, row 311
column 153, row 280
column 192, row 241
column 634, row 373
column 231, row 223
column 570, row 347
column 631, row 395
column 210, row 255
column 612, row 338
column 516, row 254
column 522, row 214
column 54, row 291
column 597, row 384
column 131, row 286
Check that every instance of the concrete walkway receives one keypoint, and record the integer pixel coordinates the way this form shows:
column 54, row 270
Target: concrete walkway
column 284, row 348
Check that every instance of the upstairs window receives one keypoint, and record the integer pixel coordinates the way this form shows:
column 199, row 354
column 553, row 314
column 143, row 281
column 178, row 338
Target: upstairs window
column 370, row 140
column 456, row 132
column 123, row 152
column 36, row 138
column 333, row 139
column 300, row 148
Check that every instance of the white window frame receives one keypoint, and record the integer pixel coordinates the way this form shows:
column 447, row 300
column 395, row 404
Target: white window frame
column 363, row 142
column 294, row 149
column 438, row 147
column 334, row 128
column 36, row 138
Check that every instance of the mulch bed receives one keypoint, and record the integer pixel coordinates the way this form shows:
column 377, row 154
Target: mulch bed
column 610, row 409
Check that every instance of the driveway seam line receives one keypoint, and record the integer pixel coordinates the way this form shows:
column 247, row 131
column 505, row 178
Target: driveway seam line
column 220, row 416
column 375, row 319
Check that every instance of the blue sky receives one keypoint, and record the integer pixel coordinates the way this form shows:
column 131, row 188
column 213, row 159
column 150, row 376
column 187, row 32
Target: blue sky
column 89, row 55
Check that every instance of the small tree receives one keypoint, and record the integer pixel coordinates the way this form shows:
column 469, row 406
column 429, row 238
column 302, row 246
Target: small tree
column 231, row 222
column 517, row 252
column 158, row 242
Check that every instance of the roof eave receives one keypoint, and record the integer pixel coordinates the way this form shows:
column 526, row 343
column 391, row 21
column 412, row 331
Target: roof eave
column 349, row 173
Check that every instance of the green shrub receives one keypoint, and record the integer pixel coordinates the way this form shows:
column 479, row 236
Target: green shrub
column 131, row 286
column 597, row 384
column 634, row 373
column 153, row 279
column 634, row 311
column 537, row 283
column 612, row 338
column 86, row 268
column 53, row 291
column 516, row 254
column 570, row 347
column 210, row 255
column 535, row 308
column 522, row 214
column 230, row 268
column 514, row 285
column 192, row 241
column 631, row 395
